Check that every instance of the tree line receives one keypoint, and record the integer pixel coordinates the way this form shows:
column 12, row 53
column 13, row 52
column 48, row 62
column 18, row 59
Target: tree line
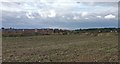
column 29, row 32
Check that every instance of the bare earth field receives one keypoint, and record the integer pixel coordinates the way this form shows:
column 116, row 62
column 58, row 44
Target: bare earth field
column 100, row 47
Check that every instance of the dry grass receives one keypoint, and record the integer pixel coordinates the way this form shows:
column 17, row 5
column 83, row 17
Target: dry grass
column 61, row 48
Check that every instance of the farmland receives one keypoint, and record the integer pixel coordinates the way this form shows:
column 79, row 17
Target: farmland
column 94, row 47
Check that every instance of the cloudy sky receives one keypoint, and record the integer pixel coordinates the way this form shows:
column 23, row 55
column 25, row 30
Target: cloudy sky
column 64, row 14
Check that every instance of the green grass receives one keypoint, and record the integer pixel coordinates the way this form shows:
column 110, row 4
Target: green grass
column 61, row 48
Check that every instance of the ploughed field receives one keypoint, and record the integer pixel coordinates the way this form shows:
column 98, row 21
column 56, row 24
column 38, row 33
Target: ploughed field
column 85, row 47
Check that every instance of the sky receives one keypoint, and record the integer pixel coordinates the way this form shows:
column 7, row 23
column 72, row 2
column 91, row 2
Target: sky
column 62, row 14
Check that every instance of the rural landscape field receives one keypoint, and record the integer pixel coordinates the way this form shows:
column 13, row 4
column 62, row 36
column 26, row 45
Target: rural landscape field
column 94, row 47
column 59, row 31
